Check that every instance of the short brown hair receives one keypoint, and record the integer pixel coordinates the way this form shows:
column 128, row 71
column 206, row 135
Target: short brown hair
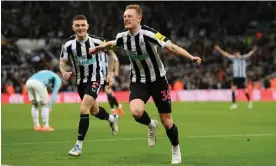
column 79, row 17
column 136, row 7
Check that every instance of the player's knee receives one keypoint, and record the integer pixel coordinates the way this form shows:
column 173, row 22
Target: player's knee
column 137, row 108
column 108, row 91
column 35, row 103
column 136, row 111
column 166, row 120
column 94, row 110
column 84, row 110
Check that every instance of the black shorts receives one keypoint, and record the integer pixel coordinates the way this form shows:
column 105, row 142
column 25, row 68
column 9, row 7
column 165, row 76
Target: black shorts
column 159, row 90
column 240, row 82
column 91, row 88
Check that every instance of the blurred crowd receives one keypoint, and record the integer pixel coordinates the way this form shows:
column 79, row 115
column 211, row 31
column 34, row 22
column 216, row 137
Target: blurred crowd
column 195, row 26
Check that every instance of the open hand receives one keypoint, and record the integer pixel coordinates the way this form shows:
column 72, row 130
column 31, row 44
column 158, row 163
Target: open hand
column 66, row 75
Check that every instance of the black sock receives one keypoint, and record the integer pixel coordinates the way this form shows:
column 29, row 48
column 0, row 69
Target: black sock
column 102, row 114
column 172, row 133
column 110, row 100
column 233, row 97
column 83, row 126
column 115, row 101
column 144, row 119
column 247, row 96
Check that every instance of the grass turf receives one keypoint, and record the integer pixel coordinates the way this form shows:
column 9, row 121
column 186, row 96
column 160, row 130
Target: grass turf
column 210, row 135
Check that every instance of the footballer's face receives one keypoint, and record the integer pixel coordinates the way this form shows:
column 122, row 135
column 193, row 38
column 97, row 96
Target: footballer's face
column 80, row 27
column 132, row 19
column 237, row 54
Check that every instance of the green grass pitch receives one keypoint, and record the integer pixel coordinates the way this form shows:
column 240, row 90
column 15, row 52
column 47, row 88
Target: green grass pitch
column 210, row 135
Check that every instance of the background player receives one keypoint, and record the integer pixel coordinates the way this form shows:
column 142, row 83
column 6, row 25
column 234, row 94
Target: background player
column 89, row 78
column 38, row 94
column 148, row 74
column 239, row 73
column 107, row 89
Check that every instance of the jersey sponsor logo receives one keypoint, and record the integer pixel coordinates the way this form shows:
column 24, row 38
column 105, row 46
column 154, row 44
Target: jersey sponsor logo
column 134, row 56
column 159, row 36
column 84, row 61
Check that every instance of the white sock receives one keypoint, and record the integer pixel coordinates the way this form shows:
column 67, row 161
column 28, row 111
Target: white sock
column 177, row 146
column 111, row 118
column 45, row 116
column 35, row 115
column 152, row 124
column 79, row 143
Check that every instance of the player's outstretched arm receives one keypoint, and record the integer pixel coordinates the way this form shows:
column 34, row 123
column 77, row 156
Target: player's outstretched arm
column 180, row 51
column 105, row 46
column 224, row 53
column 251, row 52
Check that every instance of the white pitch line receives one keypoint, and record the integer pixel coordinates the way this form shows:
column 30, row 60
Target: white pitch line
column 131, row 139
column 232, row 135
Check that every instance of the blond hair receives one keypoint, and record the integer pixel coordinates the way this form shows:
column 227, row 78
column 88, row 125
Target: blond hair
column 136, row 7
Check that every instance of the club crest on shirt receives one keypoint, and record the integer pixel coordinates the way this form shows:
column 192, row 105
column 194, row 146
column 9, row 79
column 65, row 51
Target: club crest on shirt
column 74, row 52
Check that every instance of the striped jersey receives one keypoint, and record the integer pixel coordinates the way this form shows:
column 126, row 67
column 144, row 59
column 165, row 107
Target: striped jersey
column 104, row 62
column 87, row 67
column 239, row 66
column 141, row 48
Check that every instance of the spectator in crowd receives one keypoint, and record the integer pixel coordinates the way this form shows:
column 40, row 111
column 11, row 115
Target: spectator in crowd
column 202, row 25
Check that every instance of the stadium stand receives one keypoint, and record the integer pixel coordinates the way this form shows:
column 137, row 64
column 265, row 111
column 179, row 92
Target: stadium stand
column 32, row 37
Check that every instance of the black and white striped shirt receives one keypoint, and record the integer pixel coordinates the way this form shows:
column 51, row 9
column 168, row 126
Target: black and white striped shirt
column 87, row 67
column 239, row 66
column 141, row 48
column 104, row 62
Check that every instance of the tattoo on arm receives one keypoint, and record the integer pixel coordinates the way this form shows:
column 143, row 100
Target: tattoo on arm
column 62, row 67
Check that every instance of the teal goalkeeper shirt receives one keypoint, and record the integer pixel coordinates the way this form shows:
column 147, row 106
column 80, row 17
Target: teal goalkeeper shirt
column 46, row 77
